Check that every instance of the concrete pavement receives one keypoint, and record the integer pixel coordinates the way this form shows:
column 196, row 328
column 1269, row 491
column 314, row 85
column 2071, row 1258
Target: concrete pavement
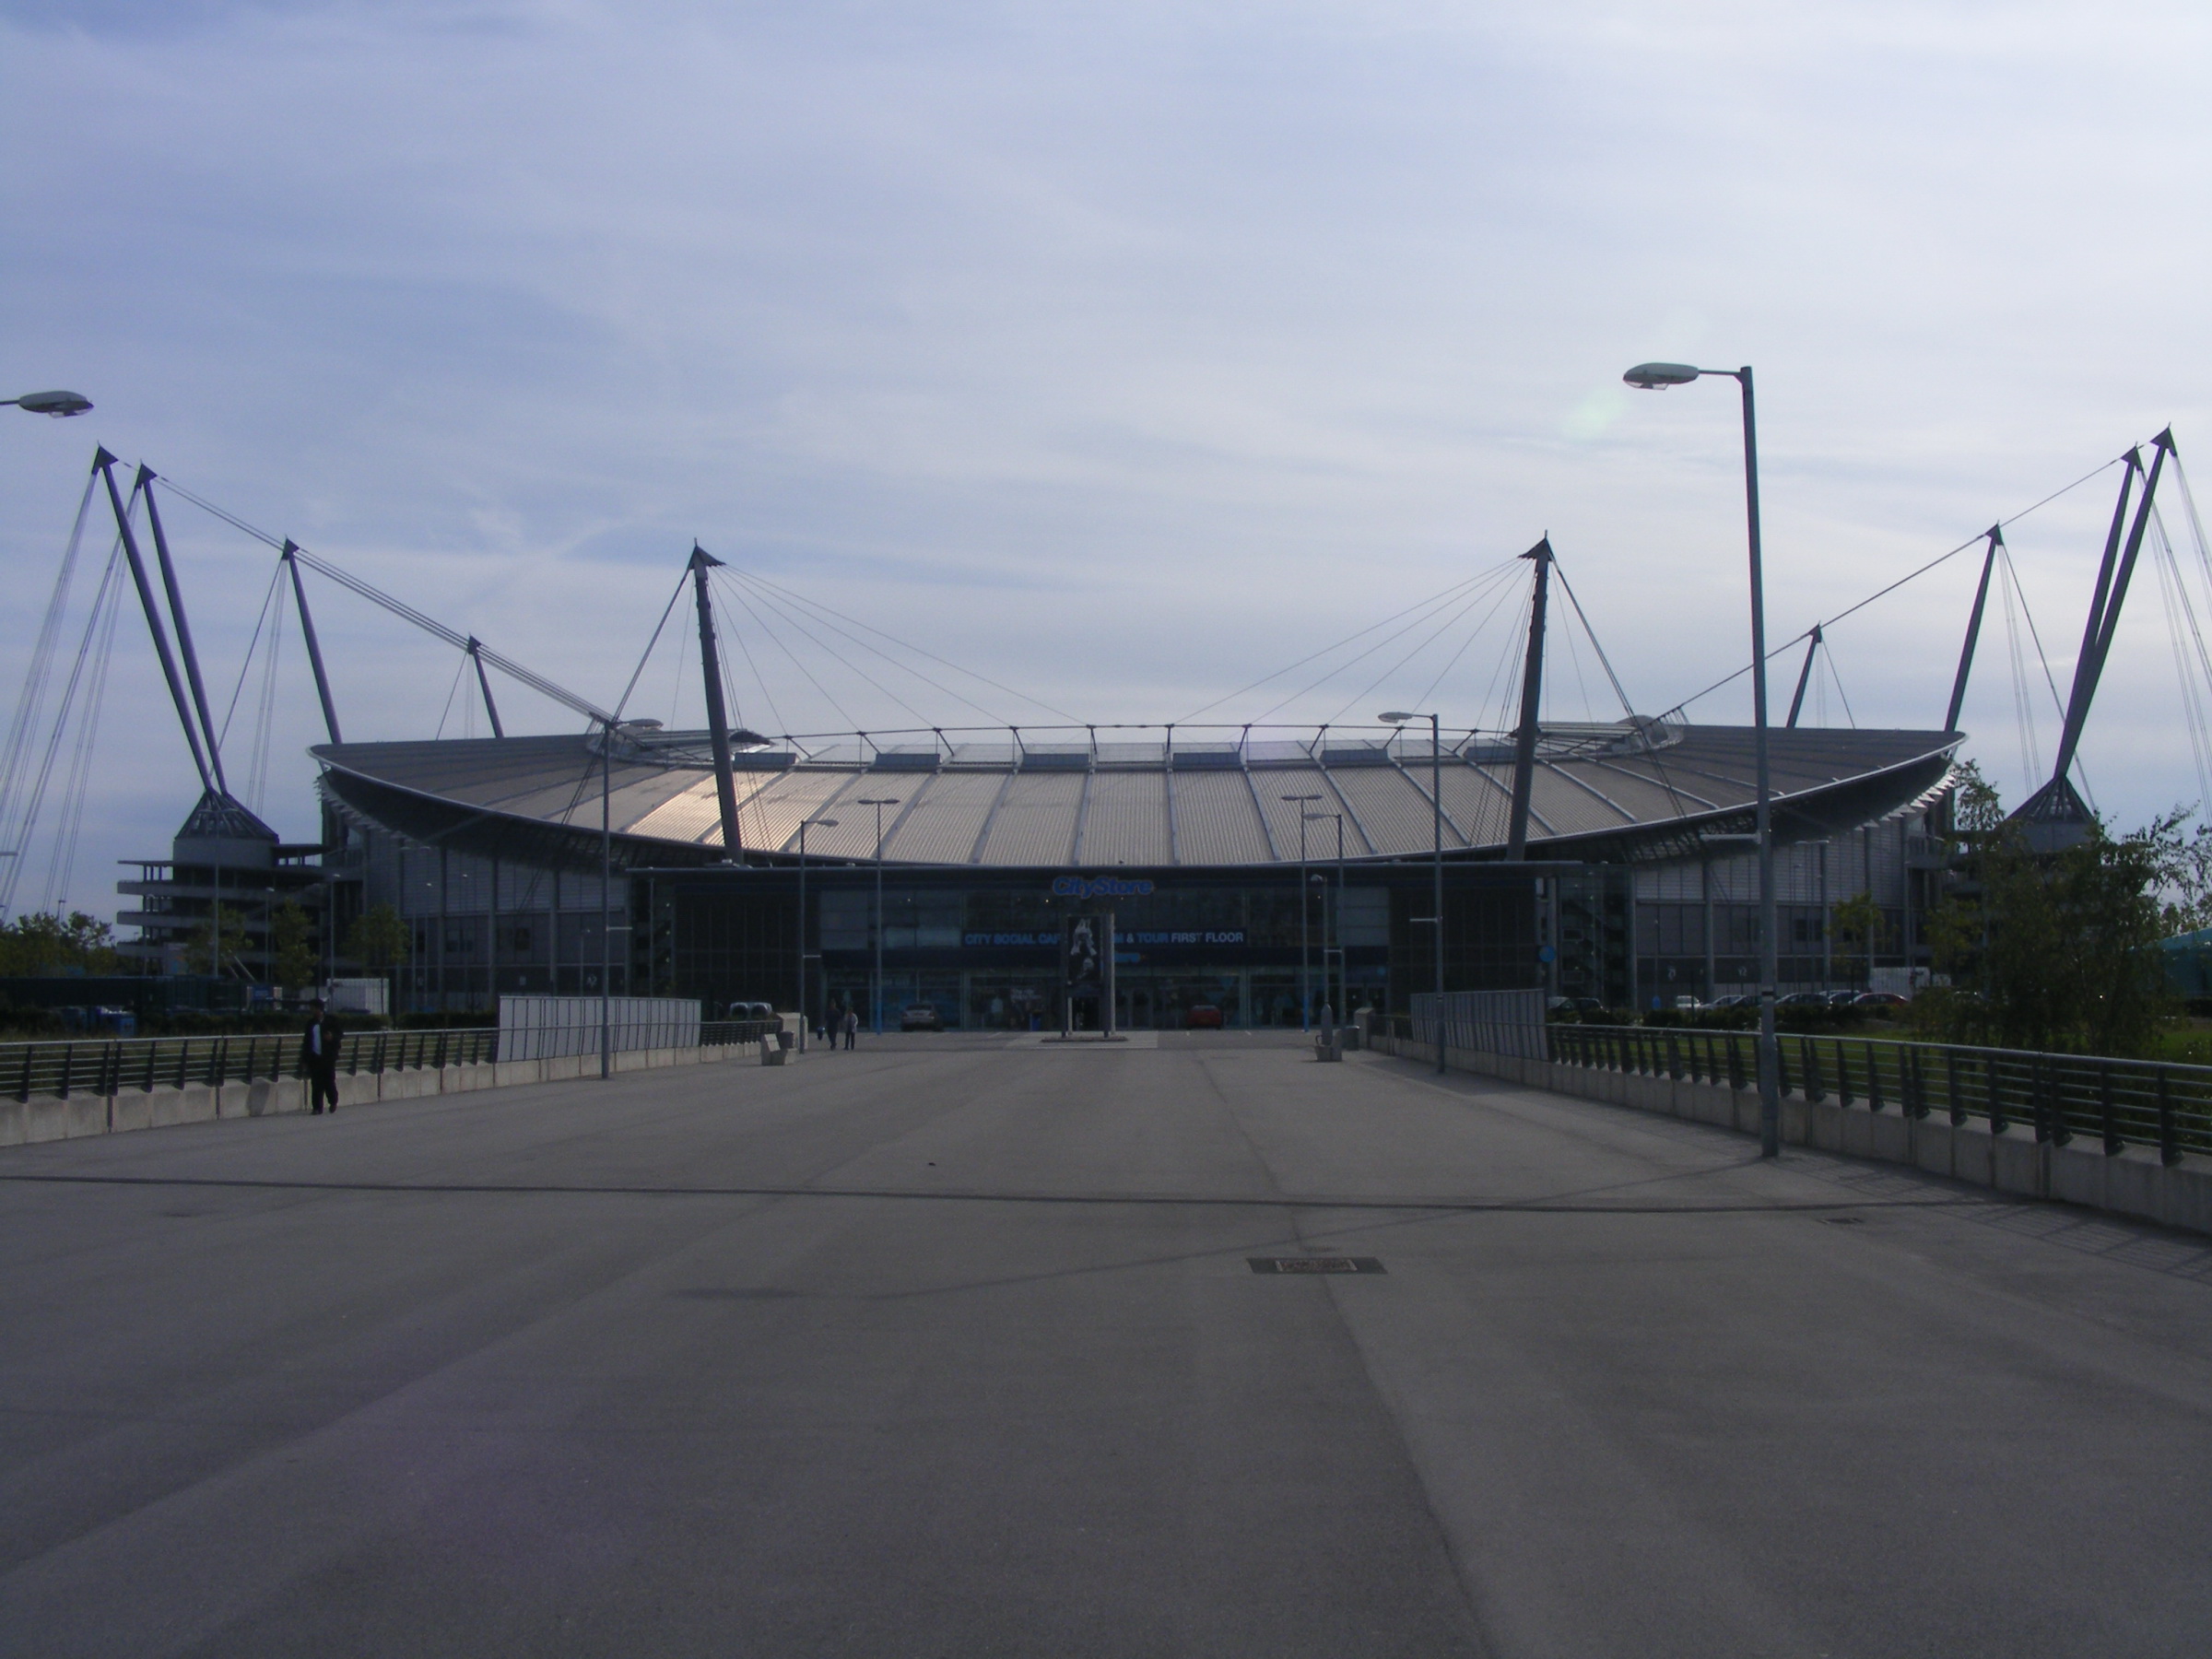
column 952, row 1347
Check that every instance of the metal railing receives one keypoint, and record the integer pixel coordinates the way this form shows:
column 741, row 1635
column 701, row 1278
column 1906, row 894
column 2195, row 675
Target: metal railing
column 2119, row 1102
column 112, row 1064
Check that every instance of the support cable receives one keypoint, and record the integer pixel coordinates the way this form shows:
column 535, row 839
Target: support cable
column 1883, row 592
column 2175, row 602
column 1596, row 644
column 815, row 606
column 2023, row 713
column 1429, row 692
column 246, row 667
column 30, row 705
column 834, row 655
column 667, row 610
column 1436, row 599
column 989, row 714
column 109, row 585
column 1465, row 597
column 778, row 640
column 68, row 831
column 402, row 610
column 1404, row 658
column 265, row 714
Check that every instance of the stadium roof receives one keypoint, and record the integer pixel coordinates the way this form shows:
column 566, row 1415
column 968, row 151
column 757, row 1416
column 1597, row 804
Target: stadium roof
column 1601, row 793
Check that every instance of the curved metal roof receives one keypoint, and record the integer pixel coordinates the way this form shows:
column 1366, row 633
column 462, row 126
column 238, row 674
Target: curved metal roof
column 1628, row 791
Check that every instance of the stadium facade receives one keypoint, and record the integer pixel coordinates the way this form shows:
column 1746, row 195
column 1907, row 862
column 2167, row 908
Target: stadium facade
column 1637, row 883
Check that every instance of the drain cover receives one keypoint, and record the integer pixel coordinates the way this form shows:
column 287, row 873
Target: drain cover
column 1314, row 1263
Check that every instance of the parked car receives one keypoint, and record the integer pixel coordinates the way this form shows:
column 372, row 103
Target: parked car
column 921, row 1016
column 1202, row 1016
column 1803, row 999
column 1878, row 999
column 1841, row 999
column 1735, row 999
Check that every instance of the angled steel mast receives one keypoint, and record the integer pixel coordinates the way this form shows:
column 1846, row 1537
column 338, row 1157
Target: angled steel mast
column 145, row 483
column 2056, row 806
column 1973, row 628
column 105, row 463
column 314, row 646
column 1532, row 692
column 1804, row 674
column 718, row 718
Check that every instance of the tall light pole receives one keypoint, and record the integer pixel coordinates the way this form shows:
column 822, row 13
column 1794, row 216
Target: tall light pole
column 1305, row 929
column 1398, row 717
column 606, row 881
column 1332, row 921
column 804, row 825
column 60, row 405
column 1653, row 377
column 876, row 992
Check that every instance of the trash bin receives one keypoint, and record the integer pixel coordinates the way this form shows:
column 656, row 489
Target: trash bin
column 784, row 1039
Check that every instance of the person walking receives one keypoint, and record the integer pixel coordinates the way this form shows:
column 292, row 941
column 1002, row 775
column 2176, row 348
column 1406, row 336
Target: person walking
column 319, row 1059
column 852, row 1027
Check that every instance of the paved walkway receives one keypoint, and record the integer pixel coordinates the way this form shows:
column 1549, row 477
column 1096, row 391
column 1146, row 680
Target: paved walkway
column 952, row 1348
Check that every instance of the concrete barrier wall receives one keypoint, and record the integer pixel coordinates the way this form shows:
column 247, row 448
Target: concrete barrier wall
column 2130, row 1183
column 46, row 1117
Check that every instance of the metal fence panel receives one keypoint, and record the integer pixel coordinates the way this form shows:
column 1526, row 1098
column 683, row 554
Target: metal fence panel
column 2117, row 1102
column 1490, row 1022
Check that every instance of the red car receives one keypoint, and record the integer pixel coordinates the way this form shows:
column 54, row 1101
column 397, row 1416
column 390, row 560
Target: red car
column 1202, row 1016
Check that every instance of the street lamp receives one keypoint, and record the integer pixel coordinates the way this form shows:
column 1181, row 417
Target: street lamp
column 805, row 824
column 1657, row 377
column 1332, row 929
column 1305, row 928
column 60, row 405
column 876, row 994
column 1398, row 717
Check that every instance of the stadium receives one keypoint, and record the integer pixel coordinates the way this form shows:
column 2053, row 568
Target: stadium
column 1219, row 854
column 1249, row 871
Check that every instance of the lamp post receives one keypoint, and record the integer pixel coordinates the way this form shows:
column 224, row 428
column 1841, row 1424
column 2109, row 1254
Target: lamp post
column 1305, row 930
column 805, row 824
column 60, row 405
column 607, row 879
column 1652, row 377
column 876, row 991
column 1398, row 717
column 1332, row 921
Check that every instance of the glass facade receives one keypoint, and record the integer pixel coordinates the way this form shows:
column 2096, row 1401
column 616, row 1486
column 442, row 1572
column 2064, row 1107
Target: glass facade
column 981, row 949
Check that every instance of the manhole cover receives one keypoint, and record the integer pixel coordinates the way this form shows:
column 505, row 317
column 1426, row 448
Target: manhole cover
column 1314, row 1263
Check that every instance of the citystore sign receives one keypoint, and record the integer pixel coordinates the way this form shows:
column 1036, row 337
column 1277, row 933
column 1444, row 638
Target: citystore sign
column 1099, row 887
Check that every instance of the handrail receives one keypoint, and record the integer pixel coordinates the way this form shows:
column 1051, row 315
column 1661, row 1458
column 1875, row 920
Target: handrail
column 2121, row 1103
column 108, row 1066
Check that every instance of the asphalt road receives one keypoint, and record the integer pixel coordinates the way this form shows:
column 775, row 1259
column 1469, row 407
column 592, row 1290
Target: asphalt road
column 952, row 1348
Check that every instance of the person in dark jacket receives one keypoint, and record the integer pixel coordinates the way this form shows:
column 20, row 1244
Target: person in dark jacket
column 319, row 1059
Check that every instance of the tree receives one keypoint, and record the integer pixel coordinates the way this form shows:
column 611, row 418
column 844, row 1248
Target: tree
column 1862, row 929
column 297, row 959
column 201, row 944
column 44, row 944
column 380, row 938
column 2059, row 950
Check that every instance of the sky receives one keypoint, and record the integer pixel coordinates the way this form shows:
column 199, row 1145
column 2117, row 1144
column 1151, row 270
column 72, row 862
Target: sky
column 1123, row 354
